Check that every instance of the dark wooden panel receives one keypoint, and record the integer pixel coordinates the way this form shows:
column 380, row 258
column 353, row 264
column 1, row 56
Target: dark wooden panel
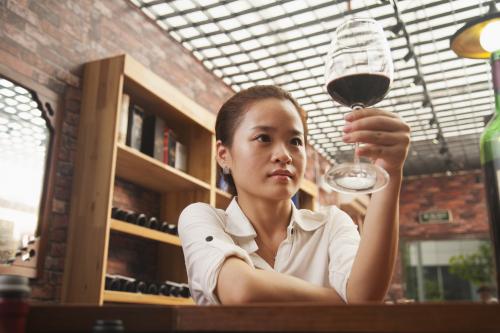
column 279, row 317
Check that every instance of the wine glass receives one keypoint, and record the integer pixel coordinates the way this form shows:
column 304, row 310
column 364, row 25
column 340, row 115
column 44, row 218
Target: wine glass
column 358, row 74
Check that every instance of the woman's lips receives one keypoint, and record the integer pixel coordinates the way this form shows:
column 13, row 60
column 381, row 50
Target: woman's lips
column 282, row 175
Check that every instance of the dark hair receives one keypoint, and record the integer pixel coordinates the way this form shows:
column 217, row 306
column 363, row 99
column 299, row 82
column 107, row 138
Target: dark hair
column 232, row 111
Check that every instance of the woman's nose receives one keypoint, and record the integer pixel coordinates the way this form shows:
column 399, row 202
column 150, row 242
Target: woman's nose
column 282, row 155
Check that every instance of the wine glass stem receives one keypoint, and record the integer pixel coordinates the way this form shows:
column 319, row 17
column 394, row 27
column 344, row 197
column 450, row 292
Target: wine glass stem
column 356, row 145
column 356, row 157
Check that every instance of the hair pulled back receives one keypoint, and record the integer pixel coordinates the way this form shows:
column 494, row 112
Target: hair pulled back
column 232, row 111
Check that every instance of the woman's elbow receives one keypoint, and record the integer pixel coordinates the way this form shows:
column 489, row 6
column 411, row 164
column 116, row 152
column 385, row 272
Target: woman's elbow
column 236, row 283
column 240, row 292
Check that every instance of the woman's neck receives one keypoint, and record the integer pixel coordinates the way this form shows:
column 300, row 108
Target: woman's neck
column 269, row 218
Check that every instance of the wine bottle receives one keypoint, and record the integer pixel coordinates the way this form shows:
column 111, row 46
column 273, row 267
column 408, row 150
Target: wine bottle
column 152, row 289
column 129, row 286
column 175, row 288
column 164, row 226
column 141, row 220
column 119, row 214
column 164, row 289
column 112, row 283
column 131, row 216
column 169, row 228
column 490, row 162
column 185, row 292
column 141, row 287
column 152, row 223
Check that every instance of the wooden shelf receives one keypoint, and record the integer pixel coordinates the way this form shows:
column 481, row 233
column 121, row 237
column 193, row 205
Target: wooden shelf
column 151, row 87
column 222, row 199
column 123, row 297
column 132, row 229
column 309, row 187
column 146, row 171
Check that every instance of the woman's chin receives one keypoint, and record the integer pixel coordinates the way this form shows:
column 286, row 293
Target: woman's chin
column 280, row 192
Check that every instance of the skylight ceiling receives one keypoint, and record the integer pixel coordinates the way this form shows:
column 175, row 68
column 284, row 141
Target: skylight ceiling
column 284, row 42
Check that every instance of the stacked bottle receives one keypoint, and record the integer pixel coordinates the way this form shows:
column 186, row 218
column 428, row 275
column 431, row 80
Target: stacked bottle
column 122, row 283
column 143, row 220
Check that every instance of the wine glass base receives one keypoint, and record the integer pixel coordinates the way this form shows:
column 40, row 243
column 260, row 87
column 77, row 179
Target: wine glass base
column 357, row 178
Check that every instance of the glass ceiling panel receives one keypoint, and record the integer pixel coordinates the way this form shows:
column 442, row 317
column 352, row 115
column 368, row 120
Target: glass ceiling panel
column 283, row 42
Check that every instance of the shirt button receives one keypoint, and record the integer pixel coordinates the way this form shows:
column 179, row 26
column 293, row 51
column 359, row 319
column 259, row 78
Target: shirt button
column 209, row 238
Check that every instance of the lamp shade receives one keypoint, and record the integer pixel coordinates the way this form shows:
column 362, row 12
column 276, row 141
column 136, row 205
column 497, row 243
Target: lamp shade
column 466, row 42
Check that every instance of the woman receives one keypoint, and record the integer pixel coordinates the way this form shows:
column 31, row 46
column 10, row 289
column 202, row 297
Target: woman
column 263, row 249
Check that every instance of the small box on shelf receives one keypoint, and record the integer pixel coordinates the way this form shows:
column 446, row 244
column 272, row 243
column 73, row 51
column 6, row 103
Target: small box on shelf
column 123, row 119
column 181, row 155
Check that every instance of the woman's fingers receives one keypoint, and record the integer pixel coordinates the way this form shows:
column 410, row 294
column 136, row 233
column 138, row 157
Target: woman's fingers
column 377, row 137
column 368, row 112
column 384, row 135
column 375, row 152
column 377, row 123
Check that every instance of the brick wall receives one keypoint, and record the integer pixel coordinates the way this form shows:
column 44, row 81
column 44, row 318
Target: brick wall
column 462, row 194
column 48, row 42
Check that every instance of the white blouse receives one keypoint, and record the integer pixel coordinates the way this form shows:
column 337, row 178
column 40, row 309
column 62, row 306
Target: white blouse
column 319, row 248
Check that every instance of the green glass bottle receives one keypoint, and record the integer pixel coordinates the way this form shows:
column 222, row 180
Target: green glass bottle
column 490, row 162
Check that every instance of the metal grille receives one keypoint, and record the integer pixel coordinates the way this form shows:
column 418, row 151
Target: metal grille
column 445, row 99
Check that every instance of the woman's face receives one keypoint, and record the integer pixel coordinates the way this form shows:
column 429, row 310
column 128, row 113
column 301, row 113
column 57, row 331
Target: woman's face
column 267, row 158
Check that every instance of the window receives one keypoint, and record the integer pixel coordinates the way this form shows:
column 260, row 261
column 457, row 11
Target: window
column 427, row 270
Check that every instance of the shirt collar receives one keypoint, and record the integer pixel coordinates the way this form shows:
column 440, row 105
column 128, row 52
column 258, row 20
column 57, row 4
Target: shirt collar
column 238, row 224
column 306, row 219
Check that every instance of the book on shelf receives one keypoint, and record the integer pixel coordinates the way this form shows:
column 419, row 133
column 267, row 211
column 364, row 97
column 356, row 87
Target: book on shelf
column 123, row 119
column 152, row 136
column 180, row 156
column 134, row 128
column 169, row 142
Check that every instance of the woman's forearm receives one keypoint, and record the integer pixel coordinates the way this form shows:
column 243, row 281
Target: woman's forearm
column 374, row 264
column 239, row 283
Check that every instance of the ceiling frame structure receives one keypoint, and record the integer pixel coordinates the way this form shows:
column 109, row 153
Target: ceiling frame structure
column 445, row 99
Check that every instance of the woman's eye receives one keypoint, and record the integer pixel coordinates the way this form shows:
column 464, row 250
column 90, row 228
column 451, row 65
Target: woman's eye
column 297, row 142
column 264, row 138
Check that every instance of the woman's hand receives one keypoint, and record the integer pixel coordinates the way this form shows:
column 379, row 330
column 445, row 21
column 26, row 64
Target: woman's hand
column 384, row 135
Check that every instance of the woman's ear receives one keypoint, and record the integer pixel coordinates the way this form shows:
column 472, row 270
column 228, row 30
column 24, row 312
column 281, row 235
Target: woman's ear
column 223, row 155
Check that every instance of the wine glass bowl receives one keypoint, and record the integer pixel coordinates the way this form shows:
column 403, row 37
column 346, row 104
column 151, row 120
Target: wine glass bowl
column 358, row 74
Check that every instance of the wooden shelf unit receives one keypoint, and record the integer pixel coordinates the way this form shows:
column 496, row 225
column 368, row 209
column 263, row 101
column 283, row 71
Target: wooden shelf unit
column 308, row 194
column 135, row 230
column 100, row 158
column 122, row 297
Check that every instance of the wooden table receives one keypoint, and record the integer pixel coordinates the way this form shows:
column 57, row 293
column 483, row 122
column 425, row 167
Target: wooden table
column 279, row 317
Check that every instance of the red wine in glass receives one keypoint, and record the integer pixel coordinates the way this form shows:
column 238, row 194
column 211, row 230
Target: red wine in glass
column 359, row 89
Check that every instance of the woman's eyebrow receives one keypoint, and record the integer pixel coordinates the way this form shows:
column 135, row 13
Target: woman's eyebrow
column 274, row 129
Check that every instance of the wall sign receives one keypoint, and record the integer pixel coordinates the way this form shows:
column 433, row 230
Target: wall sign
column 435, row 216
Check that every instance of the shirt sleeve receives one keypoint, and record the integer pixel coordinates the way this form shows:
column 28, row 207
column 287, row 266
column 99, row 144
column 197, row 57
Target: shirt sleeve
column 344, row 242
column 206, row 246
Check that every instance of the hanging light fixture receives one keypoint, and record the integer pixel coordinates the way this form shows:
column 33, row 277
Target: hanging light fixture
column 479, row 37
